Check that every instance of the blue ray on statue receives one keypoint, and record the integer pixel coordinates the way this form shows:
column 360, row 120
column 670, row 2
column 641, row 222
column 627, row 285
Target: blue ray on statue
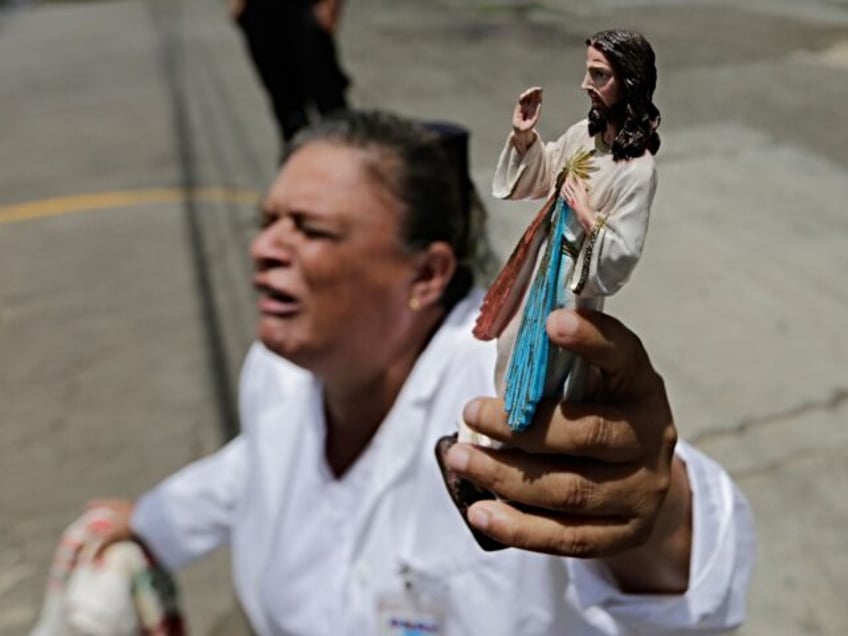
column 527, row 374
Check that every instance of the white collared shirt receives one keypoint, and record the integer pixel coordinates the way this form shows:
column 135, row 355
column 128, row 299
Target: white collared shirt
column 312, row 555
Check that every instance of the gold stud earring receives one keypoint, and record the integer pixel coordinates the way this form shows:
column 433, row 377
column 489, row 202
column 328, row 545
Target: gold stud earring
column 414, row 304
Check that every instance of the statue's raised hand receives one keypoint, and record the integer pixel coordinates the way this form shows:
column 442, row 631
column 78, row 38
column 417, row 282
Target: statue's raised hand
column 525, row 117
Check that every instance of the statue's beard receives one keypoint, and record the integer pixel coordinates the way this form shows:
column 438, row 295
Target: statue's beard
column 600, row 117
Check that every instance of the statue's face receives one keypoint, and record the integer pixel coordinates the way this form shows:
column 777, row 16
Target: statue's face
column 600, row 82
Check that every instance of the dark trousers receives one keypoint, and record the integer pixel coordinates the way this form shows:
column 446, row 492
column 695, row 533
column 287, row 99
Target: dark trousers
column 295, row 59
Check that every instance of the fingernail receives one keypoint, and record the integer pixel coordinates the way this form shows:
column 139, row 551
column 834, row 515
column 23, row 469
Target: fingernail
column 457, row 458
column 565, row 322
column 479, row 517
column 471, row 410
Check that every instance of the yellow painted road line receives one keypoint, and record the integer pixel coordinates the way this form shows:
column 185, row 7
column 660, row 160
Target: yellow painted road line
column 120, row 199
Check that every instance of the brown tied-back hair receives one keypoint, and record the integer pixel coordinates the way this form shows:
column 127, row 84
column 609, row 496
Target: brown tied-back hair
column 634, row 64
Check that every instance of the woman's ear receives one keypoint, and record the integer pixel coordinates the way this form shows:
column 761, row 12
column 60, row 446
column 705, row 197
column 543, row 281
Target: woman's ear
column 434, row 271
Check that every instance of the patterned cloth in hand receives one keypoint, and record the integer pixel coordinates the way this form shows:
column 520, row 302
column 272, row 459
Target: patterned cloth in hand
column 123, row 592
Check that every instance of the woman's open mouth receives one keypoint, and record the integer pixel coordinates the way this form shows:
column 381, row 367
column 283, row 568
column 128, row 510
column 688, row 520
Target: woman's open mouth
column 276, row 302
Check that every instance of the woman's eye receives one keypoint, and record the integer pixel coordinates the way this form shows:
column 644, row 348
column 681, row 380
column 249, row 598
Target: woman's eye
column 309, row 230
column 312, row 232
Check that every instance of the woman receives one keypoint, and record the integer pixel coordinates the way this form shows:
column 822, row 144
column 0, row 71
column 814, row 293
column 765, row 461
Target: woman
column 330, row 498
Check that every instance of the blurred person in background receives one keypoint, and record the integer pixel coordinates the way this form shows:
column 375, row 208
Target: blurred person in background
column 291, row 44
column 330, row 499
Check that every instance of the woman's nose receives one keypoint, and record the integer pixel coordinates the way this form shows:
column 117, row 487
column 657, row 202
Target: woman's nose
column 270, row 244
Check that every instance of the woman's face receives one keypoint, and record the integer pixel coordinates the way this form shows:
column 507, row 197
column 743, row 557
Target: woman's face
column 600, row 81
column 333, row 274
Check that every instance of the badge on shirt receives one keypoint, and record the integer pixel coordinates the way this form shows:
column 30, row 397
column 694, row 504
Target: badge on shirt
column 398, row 616
column 416, row 610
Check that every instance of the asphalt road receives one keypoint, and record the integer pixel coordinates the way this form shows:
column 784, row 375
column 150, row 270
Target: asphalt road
column 135, row 143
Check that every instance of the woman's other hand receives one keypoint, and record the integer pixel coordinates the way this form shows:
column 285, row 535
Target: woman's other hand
column 115, row 526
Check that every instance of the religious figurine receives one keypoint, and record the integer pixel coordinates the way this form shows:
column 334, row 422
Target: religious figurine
column 600, row 179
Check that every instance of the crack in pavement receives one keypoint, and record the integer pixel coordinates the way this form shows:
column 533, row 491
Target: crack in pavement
column 831, row 403
column 809, row 454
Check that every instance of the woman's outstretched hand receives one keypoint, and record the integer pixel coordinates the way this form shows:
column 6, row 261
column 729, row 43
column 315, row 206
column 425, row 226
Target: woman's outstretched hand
column 590, row 479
